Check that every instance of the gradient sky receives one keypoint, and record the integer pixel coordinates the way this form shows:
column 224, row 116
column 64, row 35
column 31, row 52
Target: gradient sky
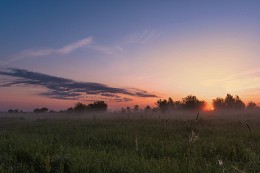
column 127, row 52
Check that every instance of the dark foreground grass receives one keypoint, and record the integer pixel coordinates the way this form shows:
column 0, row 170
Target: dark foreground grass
column 118, row 145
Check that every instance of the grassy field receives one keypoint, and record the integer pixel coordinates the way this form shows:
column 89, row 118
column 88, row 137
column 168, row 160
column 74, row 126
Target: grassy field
column 129, row 143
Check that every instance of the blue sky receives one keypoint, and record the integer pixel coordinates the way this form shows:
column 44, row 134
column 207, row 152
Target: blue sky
column 53, row 23
column 166, row 48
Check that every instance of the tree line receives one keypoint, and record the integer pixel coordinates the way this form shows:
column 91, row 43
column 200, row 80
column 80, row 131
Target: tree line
column 231, row 102
column 97, row 106
column 193, row 103
column 190, row 102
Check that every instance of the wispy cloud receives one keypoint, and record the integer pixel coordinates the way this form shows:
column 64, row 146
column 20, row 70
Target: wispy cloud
column 113, row 50
column 62, row 88
column 48, row 51
column 63, row 51
column 246, row 80
column 76, row 45
column 136, row 39
column 145, row 37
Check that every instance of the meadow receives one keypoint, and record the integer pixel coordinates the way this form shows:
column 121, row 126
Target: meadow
column 124, row 143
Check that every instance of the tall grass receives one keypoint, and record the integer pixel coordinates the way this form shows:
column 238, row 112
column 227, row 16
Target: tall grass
column 137, row 144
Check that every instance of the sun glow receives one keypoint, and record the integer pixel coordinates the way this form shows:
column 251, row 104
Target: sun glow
column 209, row 108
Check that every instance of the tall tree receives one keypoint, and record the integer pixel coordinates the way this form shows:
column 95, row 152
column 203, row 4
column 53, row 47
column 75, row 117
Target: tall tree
column 239, row 104
column 219, row 103
column 80, row 107
column 99, row 106
column 251, row 105
column 162, row 105
column 192, row 103
column 230, row 102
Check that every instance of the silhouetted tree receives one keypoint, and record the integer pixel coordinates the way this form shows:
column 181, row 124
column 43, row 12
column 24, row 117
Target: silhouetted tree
column 234, row 102
column 192, row 103
column 70, row 110
column 189, row 102
column 219, row 103
column 42, row 110
column 136, row 108
column 162, row 105
column 13, row 111
column 178, row 105
column 171, row 104
column 239, row 104
column 98, row 106
column 251, row 105
column 80, row 107
column 147, row 109
column 229, row 102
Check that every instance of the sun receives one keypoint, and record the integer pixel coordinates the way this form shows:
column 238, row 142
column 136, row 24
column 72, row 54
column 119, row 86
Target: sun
column 209, row 109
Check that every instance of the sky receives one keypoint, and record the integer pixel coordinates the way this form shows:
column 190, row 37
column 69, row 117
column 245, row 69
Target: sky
column 56, row 53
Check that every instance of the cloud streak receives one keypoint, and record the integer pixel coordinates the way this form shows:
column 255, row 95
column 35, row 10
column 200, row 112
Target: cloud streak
column 247, row 80
column 107, row 50
column 62, row 51
column 85, row 42
column 136, row 39
column 145, row 37
column 67, row 89
column 49, row 51
column 76, row 45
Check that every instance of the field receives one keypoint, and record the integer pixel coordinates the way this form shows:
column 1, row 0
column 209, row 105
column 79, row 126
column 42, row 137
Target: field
column 176, row 143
